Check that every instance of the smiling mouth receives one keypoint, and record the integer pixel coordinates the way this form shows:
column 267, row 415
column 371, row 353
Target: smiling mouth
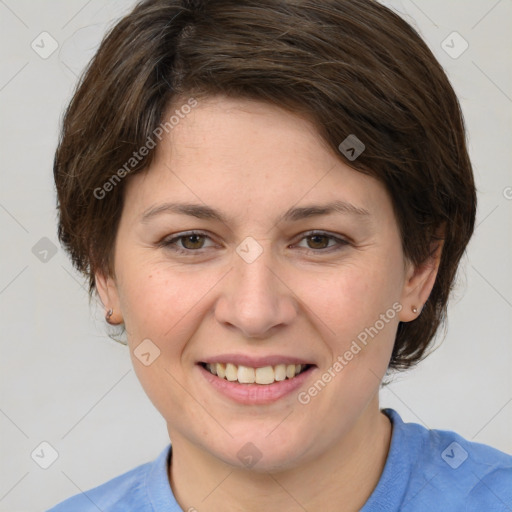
column 247, row 375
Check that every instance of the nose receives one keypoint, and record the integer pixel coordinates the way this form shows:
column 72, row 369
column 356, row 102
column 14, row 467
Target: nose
column 255, row 299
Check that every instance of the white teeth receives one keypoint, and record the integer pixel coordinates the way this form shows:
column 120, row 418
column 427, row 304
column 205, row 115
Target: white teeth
column 280, row 372
column 231, row 372
column 247, row 375
column 265, row 375
column 221, row 369
column 290, row 371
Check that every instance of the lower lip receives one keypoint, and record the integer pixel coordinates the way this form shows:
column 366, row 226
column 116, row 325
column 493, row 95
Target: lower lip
column 256, row 394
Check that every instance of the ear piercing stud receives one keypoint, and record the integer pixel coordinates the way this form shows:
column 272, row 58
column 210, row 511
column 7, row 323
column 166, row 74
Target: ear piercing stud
column 110, row 312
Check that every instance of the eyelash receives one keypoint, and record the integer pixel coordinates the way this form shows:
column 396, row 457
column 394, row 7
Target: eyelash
column 170, row 243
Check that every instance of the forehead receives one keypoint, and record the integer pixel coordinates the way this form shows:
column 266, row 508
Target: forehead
column 248, row 136
column 239, row 154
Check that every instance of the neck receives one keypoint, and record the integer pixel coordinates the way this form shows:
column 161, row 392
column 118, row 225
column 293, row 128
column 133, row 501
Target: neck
column 346, row 474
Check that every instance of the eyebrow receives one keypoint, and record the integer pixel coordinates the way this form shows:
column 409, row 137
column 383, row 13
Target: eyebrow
column 293, row 214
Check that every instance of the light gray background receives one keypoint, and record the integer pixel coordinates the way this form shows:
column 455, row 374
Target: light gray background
column 65, row 382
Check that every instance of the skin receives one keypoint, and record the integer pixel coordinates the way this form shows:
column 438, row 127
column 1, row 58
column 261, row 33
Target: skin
column 252, row 162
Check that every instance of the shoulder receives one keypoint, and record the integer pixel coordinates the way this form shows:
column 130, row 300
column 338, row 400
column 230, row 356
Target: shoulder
column 453, row 472
column 110, row 496
column 126, row 492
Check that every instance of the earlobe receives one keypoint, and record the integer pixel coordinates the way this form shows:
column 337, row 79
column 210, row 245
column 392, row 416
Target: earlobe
column 107, row 290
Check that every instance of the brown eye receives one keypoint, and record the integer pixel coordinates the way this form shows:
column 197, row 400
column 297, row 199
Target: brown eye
column 192, row 241
column 188, row 243
column 321, row 243
column 318, row 241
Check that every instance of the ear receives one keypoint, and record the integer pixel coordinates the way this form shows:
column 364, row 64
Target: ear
column 109, row 295
column 420, row 279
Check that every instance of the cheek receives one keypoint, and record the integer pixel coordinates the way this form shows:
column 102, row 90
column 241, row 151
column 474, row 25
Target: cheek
column 157, row 300
column 163, row 306
column 349, row 298
column 353, row 313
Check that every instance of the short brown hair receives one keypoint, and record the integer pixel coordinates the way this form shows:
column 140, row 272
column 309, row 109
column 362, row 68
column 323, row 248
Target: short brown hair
column 350, row 66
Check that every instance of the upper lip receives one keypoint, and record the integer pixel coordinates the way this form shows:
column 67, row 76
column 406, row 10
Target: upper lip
column 255, row 362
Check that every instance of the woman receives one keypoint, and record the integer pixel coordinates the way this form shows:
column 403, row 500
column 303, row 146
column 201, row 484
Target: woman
column 272, row 199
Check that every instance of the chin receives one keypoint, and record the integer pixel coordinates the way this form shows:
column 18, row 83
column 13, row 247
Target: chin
column 258, row 452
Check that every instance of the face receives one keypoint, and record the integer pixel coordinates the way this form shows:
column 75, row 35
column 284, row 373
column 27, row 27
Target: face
column 248, row 241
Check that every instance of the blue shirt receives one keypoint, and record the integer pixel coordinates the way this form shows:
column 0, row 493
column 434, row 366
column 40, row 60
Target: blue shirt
column 425, row 471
